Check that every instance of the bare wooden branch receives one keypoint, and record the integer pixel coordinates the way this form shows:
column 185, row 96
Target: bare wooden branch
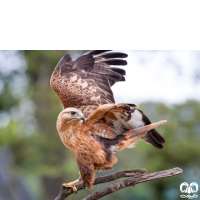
column 137, row 176
column 132, row 182
column 65, row 192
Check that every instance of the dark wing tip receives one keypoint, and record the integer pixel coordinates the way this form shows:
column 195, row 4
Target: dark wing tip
column 113, row 55
column 115, row 61
column 95, row 52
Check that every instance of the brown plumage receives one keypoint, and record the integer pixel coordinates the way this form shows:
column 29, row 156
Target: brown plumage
column 84, row 88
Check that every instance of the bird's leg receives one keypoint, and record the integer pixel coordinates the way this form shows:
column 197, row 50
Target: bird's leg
column 72, row 184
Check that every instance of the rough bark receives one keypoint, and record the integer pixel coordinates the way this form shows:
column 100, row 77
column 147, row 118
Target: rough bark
column 137, row 176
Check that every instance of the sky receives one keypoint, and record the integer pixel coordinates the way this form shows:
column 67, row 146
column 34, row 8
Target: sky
column 171, row 77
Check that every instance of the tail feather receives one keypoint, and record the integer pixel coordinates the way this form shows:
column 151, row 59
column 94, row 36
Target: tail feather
column 141, row 130
column 155, row 138
column 154, row 143
column 133, row 135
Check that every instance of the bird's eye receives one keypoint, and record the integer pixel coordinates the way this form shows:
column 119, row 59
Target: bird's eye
column 72, row 113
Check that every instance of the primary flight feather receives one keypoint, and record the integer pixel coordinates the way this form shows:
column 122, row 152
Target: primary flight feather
column 91, row 124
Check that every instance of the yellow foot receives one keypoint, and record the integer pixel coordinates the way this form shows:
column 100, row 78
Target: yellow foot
column 72, row 185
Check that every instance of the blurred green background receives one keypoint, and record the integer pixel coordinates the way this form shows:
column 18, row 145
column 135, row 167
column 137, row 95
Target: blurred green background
column 34, row 162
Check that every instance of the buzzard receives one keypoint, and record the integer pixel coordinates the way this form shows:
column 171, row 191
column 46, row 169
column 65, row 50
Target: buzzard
column 91, row 124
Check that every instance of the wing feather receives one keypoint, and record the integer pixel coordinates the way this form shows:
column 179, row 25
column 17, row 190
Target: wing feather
column 118, row 119
column 95, row 52
column 108, row 119
column 111, row 55
column 65, row 59
column 87, row 81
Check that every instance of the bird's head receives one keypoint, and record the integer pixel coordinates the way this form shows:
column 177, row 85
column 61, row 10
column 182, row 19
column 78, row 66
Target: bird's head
column 70, row 116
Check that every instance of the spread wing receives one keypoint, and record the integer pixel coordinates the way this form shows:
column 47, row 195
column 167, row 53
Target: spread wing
column 108, row 120
column 85, row 83
column 112, row 120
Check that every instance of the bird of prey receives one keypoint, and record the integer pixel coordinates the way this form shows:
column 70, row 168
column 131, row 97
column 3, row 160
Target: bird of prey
column 91, row 124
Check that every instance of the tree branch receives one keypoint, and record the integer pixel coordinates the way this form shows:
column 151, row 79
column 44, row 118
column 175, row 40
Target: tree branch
column 137, row 176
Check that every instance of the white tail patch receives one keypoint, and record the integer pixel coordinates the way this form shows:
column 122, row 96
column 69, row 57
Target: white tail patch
column 135, row 121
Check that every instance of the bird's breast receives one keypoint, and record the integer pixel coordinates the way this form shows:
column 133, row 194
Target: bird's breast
column 69, row 138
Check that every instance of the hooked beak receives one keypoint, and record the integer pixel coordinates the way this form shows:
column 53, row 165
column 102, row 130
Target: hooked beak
column 81, row 116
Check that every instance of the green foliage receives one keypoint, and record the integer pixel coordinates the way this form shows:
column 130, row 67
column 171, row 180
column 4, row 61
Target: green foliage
column 41, row 158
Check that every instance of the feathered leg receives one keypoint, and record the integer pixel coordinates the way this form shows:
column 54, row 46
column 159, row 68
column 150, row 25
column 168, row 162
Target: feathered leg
column 87, row 171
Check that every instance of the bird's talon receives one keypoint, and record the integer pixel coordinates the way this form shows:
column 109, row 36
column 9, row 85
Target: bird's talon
column 75, row 190
column 71, row 185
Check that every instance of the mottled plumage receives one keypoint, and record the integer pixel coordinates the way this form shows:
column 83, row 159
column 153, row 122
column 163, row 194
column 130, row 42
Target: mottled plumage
column 84, row 88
